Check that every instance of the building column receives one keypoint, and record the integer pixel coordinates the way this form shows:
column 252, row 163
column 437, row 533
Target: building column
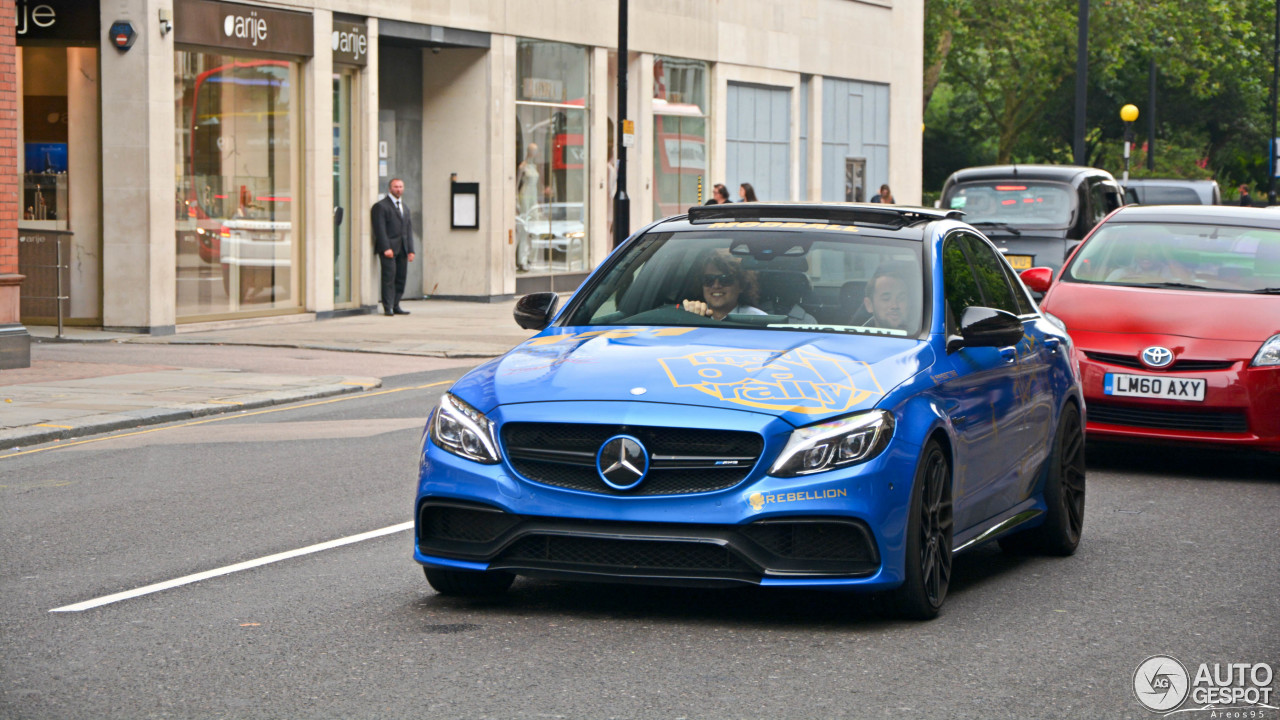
column 139, row 270
column 814, row 131
column 317, row 123
column 15, row 341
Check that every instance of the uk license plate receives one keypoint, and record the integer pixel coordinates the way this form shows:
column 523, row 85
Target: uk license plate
column 1019, row 262
column 1164, row 388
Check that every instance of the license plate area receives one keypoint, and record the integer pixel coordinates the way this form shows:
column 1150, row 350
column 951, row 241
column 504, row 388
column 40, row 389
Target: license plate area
column 1019, row 262
column 1149, row 386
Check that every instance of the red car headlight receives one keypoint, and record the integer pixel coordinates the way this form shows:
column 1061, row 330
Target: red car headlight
column 1269, row 354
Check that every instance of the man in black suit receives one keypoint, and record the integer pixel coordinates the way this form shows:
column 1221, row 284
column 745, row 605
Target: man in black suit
column 393, row 241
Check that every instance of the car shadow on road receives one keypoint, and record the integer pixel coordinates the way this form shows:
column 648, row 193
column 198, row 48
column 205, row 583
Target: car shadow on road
column 1180, row 461
column 737, row 607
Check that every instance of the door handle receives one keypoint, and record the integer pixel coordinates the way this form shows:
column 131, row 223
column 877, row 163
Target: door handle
column 1009, row 353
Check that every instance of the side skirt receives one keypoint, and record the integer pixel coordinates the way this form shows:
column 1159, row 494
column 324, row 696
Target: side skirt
column 1021, row 514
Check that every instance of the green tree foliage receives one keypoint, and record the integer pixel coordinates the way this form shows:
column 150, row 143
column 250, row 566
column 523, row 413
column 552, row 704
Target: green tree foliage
column 1005, row 84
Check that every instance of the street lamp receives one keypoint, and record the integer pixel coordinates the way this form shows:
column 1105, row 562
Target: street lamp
column 1128, row 114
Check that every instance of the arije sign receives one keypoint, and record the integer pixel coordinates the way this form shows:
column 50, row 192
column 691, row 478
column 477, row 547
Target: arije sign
column 232, row 25
column 73, row 21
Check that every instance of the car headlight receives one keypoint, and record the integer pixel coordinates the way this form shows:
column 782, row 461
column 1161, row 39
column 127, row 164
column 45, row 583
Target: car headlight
column 462, row 430
column 834, row 444
column 1054, row 319
column 1269, row 354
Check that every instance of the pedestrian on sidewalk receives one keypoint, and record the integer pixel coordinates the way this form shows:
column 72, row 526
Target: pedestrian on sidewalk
column 746, row 193
column 393, row 242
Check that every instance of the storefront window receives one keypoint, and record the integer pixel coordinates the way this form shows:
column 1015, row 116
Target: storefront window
column 679, row 135
column 236, row 205
column 551, row 151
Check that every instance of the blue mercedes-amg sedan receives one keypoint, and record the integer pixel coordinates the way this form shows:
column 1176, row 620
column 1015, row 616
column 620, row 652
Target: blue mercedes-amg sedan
column 787, row 395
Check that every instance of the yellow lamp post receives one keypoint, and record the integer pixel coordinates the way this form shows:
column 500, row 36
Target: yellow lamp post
column 1128, row 114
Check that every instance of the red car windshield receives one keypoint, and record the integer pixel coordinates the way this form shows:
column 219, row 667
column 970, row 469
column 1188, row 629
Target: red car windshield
column 1182, row 255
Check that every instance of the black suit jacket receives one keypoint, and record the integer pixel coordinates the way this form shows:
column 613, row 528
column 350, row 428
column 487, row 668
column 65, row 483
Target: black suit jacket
column 390, row 230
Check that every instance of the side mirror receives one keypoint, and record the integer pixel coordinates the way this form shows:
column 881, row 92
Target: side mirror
column 534, row 311
column 1037, row 279
column 986, row 327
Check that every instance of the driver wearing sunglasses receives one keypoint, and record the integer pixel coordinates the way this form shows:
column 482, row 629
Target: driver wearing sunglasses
column 727, row 289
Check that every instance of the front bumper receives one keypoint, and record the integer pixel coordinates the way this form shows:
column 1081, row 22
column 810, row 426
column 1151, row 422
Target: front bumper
column 841, row 529
column 668, row 553
column 1241, row 407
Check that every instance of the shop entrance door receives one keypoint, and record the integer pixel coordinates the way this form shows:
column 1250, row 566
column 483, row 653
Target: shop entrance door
column 344, row 270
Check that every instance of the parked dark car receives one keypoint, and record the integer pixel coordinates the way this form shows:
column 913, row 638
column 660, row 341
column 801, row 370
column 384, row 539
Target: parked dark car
column 1172, row 191
column 1035, row 214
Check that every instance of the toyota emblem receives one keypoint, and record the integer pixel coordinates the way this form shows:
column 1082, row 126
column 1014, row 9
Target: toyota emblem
column 622, row 462
column 1157, row 357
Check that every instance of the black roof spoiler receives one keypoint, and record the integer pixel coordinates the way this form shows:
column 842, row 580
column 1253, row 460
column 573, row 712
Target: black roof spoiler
column 831, row 213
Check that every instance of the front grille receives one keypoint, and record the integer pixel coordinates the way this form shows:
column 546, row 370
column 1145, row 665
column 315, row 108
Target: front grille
column 604, row 555
column 681, row 460
column 1179, row 365
column 1227, row 421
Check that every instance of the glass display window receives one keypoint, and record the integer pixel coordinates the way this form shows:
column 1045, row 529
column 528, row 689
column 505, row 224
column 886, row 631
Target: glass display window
column 679, row 135
column 236, row 205
column 552, row 160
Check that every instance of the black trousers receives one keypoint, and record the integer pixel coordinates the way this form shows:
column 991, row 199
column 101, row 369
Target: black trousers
column 394, row 271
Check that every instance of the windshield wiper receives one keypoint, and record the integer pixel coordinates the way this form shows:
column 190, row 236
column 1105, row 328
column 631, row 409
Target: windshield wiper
column 1186, row 286
column 999, row 226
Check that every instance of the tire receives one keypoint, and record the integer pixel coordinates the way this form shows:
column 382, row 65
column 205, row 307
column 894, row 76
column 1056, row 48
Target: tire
column 468, row 583
column 930, row 527
column 1064, row 491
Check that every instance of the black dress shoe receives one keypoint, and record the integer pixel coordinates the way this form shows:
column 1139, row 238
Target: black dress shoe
column 401, row 311
column 388, row 313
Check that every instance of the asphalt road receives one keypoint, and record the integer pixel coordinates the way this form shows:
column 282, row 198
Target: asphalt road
column 1178, row 558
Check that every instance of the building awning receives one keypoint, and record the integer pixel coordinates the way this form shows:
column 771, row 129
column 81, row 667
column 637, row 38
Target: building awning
column 407, row 34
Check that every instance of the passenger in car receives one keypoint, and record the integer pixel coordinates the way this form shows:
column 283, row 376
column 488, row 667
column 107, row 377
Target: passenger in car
column 727, row 289
column 1150, row 265
column 888, row 298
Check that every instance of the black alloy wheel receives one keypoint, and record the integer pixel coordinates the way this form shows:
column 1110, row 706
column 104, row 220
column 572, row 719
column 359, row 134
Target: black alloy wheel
column 1064, row 491
column 929, row 538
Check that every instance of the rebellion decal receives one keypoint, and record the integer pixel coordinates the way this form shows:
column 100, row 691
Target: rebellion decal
column 802, row 381
column 759, row 500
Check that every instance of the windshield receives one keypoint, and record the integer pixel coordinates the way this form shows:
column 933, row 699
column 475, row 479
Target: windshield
column 1014, row 202
column 1194, row 256
column 837, row 281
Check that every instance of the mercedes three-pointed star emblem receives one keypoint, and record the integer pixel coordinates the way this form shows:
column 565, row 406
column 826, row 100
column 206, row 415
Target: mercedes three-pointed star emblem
column 622, row 462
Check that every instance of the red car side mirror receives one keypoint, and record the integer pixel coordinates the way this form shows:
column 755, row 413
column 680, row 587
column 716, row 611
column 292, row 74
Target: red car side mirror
column 1037, row 279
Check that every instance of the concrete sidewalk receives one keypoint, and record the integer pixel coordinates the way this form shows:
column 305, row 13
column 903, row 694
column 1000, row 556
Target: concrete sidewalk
column 76, row 387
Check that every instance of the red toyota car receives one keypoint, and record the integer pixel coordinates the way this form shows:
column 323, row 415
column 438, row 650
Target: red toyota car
column 1174, row 315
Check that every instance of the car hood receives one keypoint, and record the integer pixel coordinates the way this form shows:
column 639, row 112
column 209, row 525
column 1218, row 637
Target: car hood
column 1185, row 313
column 800, row 377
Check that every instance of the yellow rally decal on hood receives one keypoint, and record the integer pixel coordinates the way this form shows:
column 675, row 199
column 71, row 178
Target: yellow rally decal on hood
column 802, row 381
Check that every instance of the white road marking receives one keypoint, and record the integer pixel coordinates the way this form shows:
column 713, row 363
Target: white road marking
column 157, row 587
